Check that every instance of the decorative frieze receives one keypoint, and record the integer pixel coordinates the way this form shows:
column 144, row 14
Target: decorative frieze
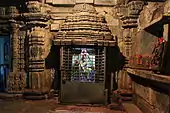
column 21, row 62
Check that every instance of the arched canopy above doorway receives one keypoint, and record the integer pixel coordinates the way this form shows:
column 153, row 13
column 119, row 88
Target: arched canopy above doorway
column 84, row 27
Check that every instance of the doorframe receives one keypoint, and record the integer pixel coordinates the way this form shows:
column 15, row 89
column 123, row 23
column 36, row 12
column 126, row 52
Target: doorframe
column 6, row 64
column 105, row 91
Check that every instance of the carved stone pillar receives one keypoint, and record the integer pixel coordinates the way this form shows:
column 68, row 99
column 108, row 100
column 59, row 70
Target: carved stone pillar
column 128, row 15
column 39, row 48
column 15, row 46
column 39, row 45
column 16, row 78
column 16, row 81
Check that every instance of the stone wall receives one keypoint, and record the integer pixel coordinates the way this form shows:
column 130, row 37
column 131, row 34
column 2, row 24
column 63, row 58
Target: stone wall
column 43, row 16
column 151, row 12
column 151, row 96
column 150, row 99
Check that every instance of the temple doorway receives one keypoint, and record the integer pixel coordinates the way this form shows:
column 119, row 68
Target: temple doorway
column 84, row 39
column 83, row 75
column 4, row 61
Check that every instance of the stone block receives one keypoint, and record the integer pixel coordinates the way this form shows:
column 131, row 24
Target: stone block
column 64, row 2
column 55, row 26
column 105, row 2
column 85, row 1
column 49, row 1
column 167, row 7
column 166, row 32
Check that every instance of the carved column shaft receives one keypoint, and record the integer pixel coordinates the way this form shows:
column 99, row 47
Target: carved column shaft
column 17, row 78
column 39, row 48
column 14, row 44
column 36, row 61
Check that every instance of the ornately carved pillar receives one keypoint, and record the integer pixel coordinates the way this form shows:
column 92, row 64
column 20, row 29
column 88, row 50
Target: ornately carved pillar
column 39, row 48
column 15, row 46
column 128, row 15
column 39, row 44
column 16, row 81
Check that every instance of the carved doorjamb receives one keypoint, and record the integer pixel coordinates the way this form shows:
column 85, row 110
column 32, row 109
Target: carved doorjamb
column 16, row 81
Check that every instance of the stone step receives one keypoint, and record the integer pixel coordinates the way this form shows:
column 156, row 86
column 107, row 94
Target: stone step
column 131, row 108
column 7, row 96
column 126, row 98
column 126, row 94
column 34, row 97
column 116, row 106
column 121, row 95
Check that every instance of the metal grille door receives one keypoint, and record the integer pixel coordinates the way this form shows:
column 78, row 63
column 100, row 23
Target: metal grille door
column 83, row 75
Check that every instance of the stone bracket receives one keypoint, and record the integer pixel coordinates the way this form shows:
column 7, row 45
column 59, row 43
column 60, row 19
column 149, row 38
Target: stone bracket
column 129, row 13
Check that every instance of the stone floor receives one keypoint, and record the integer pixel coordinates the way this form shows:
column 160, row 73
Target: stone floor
column 49, row 106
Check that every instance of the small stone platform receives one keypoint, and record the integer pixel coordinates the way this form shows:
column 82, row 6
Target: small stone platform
column 7, row 96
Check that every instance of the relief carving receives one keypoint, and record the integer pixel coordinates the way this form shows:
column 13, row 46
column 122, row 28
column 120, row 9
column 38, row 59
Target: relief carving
column 12, row 10
column 135, row 7
column 84, row 8
column 129, row 13
column 39, row 48
column 34, row 6
column 16, row 82
column 36, row 52
column 84, row 24
column 40, row 41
